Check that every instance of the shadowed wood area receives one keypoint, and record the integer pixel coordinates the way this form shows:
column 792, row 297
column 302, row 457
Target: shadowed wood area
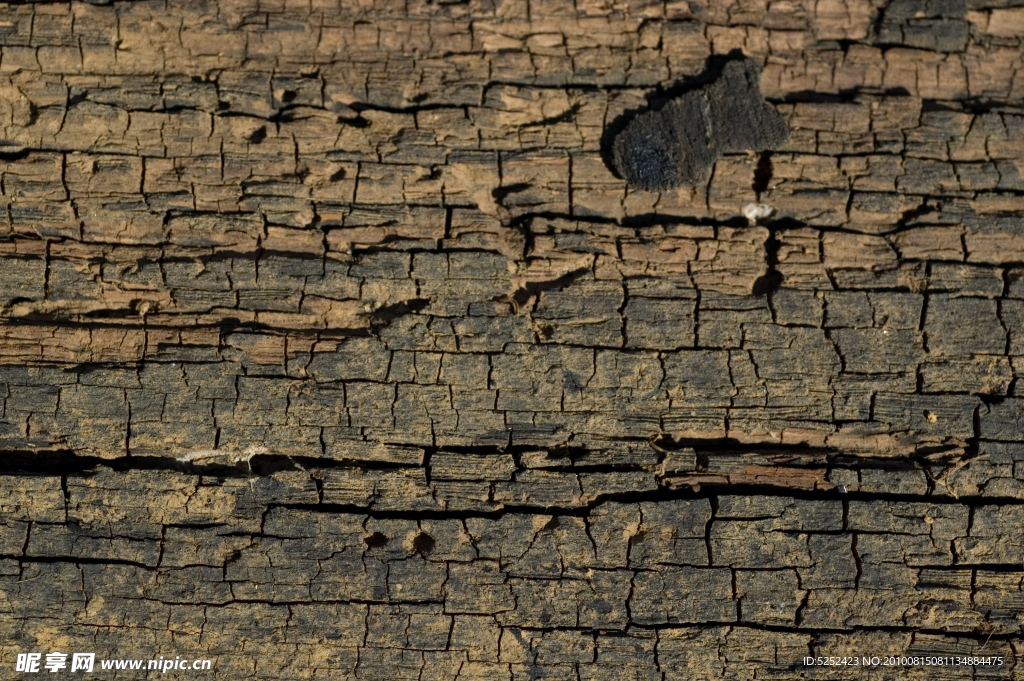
column 331, row 347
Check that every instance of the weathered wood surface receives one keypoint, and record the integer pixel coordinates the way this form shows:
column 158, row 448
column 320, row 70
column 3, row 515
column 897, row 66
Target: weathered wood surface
column 331, row 348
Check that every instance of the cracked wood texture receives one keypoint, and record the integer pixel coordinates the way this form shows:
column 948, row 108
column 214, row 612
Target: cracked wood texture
column 330, row 348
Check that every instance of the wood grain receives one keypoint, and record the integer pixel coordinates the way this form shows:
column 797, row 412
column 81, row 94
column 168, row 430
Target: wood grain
column 330, row 347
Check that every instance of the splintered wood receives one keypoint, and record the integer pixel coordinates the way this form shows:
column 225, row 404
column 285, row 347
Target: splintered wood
column 331, row 347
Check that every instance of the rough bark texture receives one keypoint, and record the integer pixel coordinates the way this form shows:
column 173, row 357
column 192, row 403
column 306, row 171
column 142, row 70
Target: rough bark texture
column 330, row 347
